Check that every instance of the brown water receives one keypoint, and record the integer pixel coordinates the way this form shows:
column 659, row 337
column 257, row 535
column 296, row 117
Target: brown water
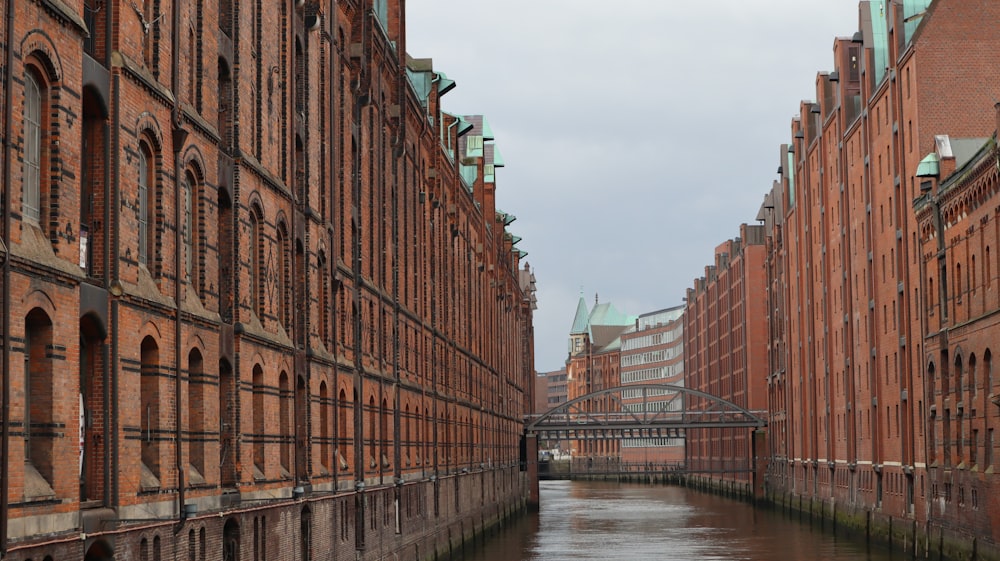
column 606, row 521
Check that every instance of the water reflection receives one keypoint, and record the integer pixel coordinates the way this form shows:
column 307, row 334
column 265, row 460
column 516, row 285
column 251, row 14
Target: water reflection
column 590, row 520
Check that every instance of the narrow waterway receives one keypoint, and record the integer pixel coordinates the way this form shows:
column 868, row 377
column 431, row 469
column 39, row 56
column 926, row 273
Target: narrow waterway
column 610, row 521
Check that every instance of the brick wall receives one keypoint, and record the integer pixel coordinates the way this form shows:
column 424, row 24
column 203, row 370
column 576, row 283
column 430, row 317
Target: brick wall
column 301, row 293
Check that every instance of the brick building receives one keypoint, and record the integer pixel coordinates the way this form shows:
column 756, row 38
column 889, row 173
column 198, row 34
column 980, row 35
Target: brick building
column 257, row 298
column 550, row 390
column 725, row 352
column 653, row 353
column 853, row 410
column 594, row 364
column 957, row 219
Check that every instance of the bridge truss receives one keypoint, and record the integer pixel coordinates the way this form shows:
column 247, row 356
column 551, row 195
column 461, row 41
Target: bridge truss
column 641, row 411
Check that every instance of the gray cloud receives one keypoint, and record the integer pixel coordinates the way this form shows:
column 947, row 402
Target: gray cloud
column 638, row 134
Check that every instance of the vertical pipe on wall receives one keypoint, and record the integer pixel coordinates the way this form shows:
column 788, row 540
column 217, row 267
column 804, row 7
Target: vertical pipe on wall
column 333, row 177
column 115, row 285
column 5, row 420
column 178, row 136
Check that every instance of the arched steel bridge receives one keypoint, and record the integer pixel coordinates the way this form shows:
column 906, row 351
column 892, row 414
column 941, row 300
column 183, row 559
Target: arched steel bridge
column 640, row 411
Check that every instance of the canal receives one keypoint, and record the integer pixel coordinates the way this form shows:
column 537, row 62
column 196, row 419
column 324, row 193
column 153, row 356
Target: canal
column 610, row 521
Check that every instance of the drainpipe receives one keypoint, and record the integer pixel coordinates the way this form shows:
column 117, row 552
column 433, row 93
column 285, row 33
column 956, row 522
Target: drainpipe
column 399, row 151
column 362, row 98
column 291, row 315
column 106, row 280
column 332, row 235
column 116, row 287
column 178, row 136
column 5, row 421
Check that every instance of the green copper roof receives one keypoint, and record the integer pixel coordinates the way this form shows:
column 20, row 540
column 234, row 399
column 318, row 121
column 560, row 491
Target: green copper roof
column 607, row 314
column 913, row 14
column 497, row 158
column 880, row 40
column 580, row 323
column 469, row 174
column 463, row 125
column 929, row 166
column 421, row 82
column 487, row 130
column 444, row 84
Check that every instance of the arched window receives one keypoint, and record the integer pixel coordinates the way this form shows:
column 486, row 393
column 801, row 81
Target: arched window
column 324, row 425
column 39, row 397
column 305, row 533
column 959, row 379
column 196, row 418
column 384, row 434
column 258, row 420
column 283, row 290
column 227, row 425
column 94, row 412
column 189, row 228
column 202, row 549
column 343, row 434
column 372, row 431
column 324, row 301
column 145, row 212
column 300, row 437
column 971, row 379
column 958, row 282
column 149, row 422
column 407, row 421
column 930, row 295
column 988, row 273
column 34, row 154
column 284, row 424
column 988, row 372
column 255, row 255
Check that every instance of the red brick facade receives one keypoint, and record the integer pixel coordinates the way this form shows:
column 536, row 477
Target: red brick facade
column 725, row 342
column 258, row 300
column 957, row 216
column 865, row 381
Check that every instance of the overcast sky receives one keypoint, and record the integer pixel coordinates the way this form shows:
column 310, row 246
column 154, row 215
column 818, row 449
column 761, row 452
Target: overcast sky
column 638, row 134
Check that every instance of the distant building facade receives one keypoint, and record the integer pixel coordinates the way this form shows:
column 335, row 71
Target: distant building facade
column 594, row 364
column 725, row 352
column 653, row 353
column 550, row 390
